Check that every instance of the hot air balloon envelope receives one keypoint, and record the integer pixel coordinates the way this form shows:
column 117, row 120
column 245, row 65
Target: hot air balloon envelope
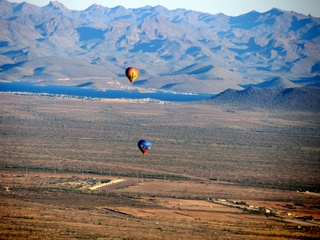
column 132, row 73
column 144, row 145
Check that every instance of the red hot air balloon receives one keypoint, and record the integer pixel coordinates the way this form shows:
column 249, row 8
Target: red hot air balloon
column 132, row 73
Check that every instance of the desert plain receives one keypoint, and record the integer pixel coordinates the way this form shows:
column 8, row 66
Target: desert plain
column 70, row 169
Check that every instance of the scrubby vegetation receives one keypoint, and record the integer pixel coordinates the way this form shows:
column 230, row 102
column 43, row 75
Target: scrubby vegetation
column 53, row 150
column 190, row 141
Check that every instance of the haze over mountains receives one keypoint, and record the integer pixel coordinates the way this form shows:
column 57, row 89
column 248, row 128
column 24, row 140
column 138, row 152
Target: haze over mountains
column 178, row 50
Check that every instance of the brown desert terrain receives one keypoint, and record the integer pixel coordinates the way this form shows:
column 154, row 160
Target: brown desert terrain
column 71, row 169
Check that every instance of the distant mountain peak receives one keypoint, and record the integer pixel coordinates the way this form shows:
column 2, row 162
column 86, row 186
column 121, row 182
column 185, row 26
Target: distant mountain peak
column 24, row 6
column 276, row 11
column 120, row 8
column 160, row 8
column 94, row 7
column 57, row 5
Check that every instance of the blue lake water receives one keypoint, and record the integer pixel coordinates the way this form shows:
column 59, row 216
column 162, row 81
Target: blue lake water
column 29, row 87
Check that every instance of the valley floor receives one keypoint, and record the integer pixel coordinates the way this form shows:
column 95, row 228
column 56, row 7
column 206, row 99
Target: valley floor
column 71, row 169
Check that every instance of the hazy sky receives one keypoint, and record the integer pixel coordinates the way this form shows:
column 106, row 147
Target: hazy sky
column 228, row 7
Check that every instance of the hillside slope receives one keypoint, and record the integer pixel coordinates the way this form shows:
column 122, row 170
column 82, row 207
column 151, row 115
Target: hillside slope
column 290, row 99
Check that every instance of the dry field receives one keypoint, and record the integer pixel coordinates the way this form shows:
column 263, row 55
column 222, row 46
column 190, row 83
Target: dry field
column 265, row 165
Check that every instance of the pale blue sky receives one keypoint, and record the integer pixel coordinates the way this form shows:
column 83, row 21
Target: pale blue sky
column 228, row 7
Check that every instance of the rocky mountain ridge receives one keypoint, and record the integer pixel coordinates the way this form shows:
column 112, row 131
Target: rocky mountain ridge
column 176, row 50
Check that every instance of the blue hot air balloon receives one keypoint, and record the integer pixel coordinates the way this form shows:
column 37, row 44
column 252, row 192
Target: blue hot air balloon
column 144, row 145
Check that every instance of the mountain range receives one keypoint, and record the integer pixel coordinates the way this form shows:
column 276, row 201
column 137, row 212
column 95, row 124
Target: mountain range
column 175, row 50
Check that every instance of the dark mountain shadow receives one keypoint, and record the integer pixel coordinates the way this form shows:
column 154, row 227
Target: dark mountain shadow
column 202, row 70
column 8, row 66
column 87, row 33
column 4, row 44
column 245, row 21
column 139, row 82
column 87, row 84
column 151, row 46
column 310, row 82
column 297, row 24
column 312, row 33
column 168, row 86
